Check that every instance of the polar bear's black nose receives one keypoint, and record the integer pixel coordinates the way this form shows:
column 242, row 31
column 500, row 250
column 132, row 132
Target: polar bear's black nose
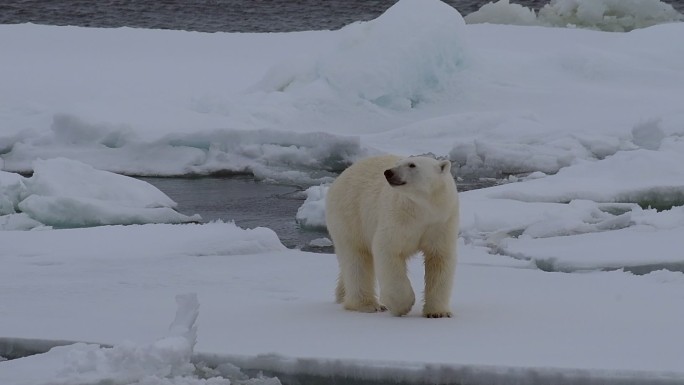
column 389, row 174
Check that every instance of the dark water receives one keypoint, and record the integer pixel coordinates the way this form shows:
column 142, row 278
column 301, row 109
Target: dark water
column 207, row 15
column 215, row 15
column 247, row 202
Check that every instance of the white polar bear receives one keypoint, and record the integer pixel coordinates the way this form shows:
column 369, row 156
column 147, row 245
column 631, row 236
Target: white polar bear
column 381, row 211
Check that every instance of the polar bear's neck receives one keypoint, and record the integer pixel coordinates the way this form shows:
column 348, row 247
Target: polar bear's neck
column 436, row 207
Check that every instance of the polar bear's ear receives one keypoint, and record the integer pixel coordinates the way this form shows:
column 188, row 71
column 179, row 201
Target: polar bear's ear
column 445, row 165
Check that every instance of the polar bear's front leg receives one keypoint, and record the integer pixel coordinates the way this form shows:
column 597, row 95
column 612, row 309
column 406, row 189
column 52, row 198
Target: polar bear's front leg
column 439, row 278
column 396, row 292
column 439, row 249
column 440, row 266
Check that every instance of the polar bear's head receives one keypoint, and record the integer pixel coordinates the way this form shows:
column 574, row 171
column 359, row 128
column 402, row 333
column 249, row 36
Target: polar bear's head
column 419, row 174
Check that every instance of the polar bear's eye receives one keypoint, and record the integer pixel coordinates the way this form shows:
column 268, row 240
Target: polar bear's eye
column 412, row 165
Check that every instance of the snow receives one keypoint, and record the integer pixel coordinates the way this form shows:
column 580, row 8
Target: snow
column 629, row 249
column 606, row 15
column 299, row 107
column 155, row 241
column 503, row 12
column 311, row 213
column 365, row 60
column 631, row 176
column 65, row 193
column 570, row 268
column 321, row 242
column 276, row 301
column 165, row 361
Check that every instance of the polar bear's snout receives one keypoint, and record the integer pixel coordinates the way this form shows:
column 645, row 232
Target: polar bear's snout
column 393, row 179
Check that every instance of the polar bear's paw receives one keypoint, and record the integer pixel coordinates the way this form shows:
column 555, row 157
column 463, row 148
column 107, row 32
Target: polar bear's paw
column 440, row 314
column 365, row 307
column 431, row 310
column 399, row 305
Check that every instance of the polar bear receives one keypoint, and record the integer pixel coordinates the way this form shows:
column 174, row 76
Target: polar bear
column 381, row 211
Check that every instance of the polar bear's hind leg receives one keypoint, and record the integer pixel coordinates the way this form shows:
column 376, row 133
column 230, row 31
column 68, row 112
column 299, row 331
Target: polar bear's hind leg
column 356, row 286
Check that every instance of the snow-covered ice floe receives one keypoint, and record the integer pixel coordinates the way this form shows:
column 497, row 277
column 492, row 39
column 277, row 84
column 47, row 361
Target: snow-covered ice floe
column 268, row 308
column 606, row 15
column 625, row 211
column 299, row 107
column 166, row 361
column 64, row 193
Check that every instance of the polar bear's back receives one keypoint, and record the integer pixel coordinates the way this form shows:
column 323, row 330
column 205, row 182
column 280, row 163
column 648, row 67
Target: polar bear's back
column 354, row 197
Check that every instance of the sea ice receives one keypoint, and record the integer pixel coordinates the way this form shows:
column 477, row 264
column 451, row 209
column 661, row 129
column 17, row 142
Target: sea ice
column 503, row 12
column 274, row 310
column 298, row 108
column 65, row 193
column 166, row 361
column 312, row 212
column 606, row 15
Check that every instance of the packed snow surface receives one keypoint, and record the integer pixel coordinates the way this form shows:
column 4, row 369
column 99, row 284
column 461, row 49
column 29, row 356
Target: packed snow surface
column 260, row 298
column 572, row 269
